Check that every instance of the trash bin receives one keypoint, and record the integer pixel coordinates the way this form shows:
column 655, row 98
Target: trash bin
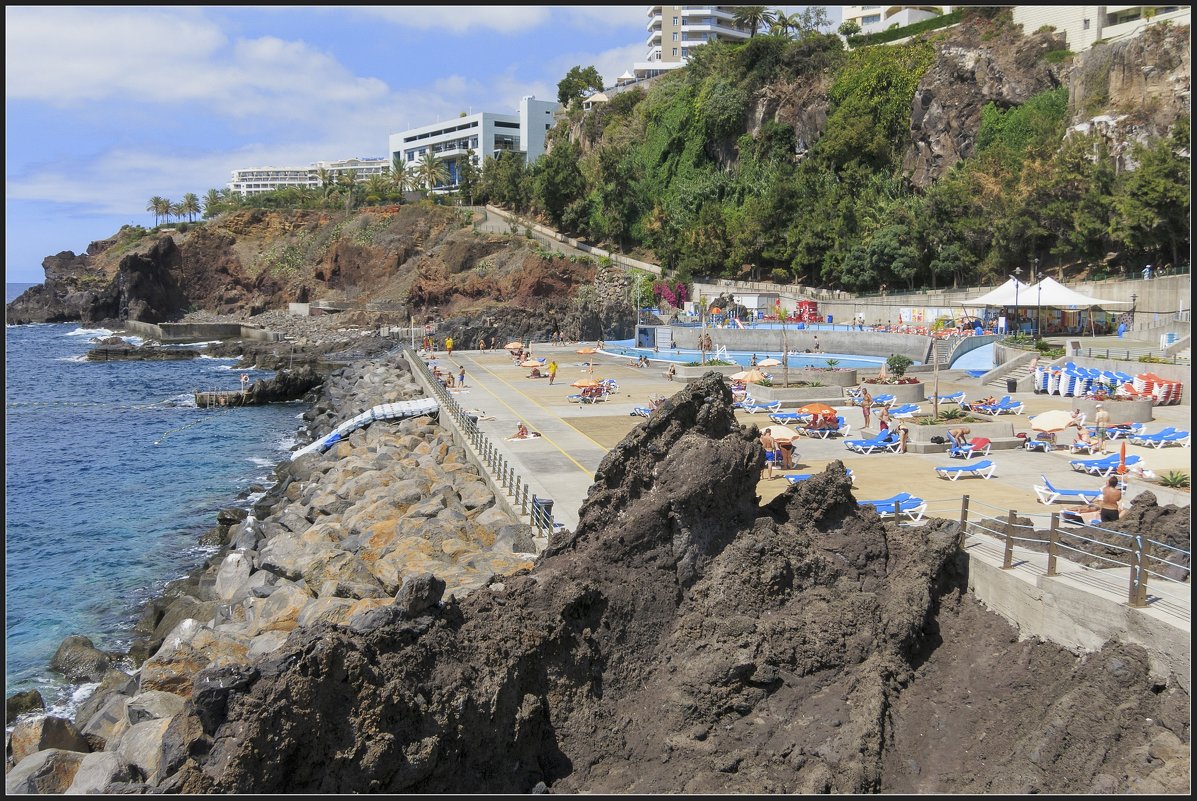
column 542, row 512
column 1011, row 385
column 830, row 319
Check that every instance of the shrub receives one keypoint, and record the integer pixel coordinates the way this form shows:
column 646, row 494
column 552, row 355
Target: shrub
column 897, row 365
column 1056, row 56
column 1175, row 478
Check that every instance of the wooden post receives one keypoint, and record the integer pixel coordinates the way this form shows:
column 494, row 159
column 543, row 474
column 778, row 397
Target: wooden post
column 1051, row 544
column 1008, row 554
column 963, row 520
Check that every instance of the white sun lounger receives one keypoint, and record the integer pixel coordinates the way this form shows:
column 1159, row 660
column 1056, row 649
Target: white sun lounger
column 983, row 469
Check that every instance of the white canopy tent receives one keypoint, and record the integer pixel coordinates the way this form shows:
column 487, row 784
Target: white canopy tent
column 1009, row 293
column 1050, row 292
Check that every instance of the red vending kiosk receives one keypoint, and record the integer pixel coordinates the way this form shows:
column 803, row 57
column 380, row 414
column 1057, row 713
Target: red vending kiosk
column 808, row 311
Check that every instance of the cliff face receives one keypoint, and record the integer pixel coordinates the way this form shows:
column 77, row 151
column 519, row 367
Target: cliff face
column 415, row 260
column 685, row 639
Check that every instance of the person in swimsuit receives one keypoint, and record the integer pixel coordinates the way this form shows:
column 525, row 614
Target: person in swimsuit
column 1111, row 498
column 770, row 446
column 1101, row 420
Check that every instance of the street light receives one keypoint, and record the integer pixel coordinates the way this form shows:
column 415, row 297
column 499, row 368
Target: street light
column 1038, row 301
column 1134, row 305
column 1017, row 272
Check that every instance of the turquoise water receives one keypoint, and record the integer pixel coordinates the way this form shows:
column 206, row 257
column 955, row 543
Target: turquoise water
column 626, row 347
column 111, row 476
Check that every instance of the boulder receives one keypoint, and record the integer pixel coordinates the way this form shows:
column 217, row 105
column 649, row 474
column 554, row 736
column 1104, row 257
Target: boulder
column 114, row 683
column 107, row 723
column 141, row 746
column 79, row 660
column 96, row 771
column 34, row 734
column 48, row 772
column 22, row 702
column 153, row 705
column 419, row 593
column 212, row 688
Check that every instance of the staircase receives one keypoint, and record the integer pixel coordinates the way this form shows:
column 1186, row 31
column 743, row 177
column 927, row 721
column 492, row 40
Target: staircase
column 999, row 383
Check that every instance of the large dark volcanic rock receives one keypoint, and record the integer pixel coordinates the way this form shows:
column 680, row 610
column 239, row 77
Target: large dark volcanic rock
column 682, row 639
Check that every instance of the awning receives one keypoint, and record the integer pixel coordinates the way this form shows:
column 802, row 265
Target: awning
column 1050, row 292
column 1009, row 293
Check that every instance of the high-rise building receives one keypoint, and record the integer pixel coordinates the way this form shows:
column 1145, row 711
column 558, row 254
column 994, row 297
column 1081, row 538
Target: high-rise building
column 673, row 31
column 875, row 19
column 254, row 180
column 486, row 133
column 1083, row 26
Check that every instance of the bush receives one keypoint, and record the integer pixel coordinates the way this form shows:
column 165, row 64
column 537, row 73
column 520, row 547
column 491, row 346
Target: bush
column 1175, row 478
column 898, row 364
column 1057, row 56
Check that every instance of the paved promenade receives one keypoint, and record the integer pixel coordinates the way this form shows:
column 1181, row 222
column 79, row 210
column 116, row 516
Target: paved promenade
column 576, row 437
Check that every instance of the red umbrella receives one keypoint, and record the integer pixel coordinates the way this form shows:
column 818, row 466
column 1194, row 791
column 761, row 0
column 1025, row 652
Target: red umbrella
column 1122, row 459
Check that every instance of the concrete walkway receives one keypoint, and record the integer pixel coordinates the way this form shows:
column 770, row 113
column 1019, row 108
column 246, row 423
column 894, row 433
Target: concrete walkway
column 575, row 438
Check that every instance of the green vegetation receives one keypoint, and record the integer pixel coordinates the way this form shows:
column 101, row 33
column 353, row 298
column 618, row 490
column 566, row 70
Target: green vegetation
column 897, row 365
column 893, row 34
column 578, row 83
column 1175, row 478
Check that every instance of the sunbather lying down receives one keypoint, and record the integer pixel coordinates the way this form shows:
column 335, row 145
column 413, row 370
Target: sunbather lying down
column 1083, row 515
column 522, row 432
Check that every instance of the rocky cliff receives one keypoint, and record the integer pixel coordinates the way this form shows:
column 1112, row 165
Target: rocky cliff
column 685, row 639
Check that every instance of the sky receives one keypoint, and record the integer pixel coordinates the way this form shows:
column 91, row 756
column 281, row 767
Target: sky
column 106, row 107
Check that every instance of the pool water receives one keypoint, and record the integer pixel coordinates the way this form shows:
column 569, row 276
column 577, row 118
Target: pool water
column 744, row 358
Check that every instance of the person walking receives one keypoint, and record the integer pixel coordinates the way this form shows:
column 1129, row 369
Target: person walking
column 552, row 371
column 1101, row 419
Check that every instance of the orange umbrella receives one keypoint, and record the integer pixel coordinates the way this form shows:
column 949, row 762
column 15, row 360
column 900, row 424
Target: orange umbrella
column 514, row 345
column 1122, row 459
column 584, row 350
column 582, row 383
column 816, row 409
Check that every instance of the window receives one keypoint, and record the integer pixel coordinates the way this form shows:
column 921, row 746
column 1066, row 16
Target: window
column 685, row 52
column 675, row 22
column 675, row 36
column 675, row 51
column 547, row 126
column 1086, row 24
column 870, row 19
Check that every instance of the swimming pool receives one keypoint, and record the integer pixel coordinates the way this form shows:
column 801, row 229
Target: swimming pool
column 626, row 348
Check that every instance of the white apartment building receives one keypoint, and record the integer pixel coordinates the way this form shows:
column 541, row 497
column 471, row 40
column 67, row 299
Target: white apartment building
column 254, row 180
column 1083, row 26
column 674, row 30
column 875, row 19
column 486, row 133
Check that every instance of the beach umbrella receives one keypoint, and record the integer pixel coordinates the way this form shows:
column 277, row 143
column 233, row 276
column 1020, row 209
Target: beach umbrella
column 582, row 383
column 782, row 432
column 514, row 345
column 753, row 376
column 768, row 363
column 531, row 363
column 584, row 350
column 816, row 409
column 1052, row 420
column 1122, row 459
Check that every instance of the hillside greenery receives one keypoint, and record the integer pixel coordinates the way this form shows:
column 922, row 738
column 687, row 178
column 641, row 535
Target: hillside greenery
column 674, row 174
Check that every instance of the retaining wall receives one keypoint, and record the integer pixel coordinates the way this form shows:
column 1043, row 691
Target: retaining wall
column 863, row 343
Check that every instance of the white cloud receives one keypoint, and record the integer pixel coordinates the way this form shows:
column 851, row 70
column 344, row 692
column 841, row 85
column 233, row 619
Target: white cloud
column 613, row 16
column 459, row 19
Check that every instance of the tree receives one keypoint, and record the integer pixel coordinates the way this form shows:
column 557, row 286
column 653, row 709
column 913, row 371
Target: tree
column 469, row 175
column 811, row 21
column 431, row 170
column 558, row 181
column 190, row 206
column 155, row 205
column 403, row 175
column 783, row 24
column 1153, row 200
column 347, row 181
column 849, row 27
column 376, row 187
column 212, row 204
column 752, row 18
column 578, row 83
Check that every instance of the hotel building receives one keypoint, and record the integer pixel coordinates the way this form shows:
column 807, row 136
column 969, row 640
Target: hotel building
column 674, row 30
column 875, row 19
column 486, row 133
column 254, row 180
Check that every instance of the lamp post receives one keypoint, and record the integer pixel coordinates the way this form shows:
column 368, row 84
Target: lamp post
column 1134, row 305
column 1017, row 328
column 1038, row 301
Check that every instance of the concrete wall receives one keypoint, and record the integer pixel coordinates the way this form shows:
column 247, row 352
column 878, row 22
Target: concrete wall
column 199, row 332
column 863, row 343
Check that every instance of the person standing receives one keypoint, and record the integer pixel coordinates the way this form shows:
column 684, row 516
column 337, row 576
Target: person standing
column 817, row 348
column 449, row 345
column 883, row 419
column 461, row 375
column 1111, row 499
column 245, row 382
column 770, row 446
column 552, row 372
column 866, row 405
column 1101, row 419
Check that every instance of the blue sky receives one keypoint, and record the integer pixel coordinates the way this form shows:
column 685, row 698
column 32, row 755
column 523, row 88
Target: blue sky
column 108, row 106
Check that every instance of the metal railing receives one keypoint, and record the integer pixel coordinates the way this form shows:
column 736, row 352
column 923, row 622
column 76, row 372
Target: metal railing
column 539, row 510
column 1147, row 559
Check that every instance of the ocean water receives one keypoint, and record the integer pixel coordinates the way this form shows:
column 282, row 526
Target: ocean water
column 111, row 476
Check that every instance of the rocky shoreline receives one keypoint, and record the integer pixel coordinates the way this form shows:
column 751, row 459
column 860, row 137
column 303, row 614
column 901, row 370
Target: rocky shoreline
column 347, row 537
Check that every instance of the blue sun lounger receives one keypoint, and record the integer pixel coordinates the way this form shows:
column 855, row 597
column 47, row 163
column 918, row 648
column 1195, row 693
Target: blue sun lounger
column 1169, row 436
column 887, row 441
column 842, row 427
column 789, row 418
column 804, row 476
column 1103, row 467
column 905, row 410
column 755, row 407
column 884, row 400
column 955, row 397
column 982, row 469
column 1049, row 494
column 903, row 504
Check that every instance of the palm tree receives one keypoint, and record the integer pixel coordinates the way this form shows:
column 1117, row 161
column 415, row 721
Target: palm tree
column 347, row 181
column 376, row 186
column 155, row 205
column 327, row 184
column 212, row 204
column 752, row 18
column 176, row 210
column 190, row 206
column 164, row 208
column 431, row 170
column 783, row 24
